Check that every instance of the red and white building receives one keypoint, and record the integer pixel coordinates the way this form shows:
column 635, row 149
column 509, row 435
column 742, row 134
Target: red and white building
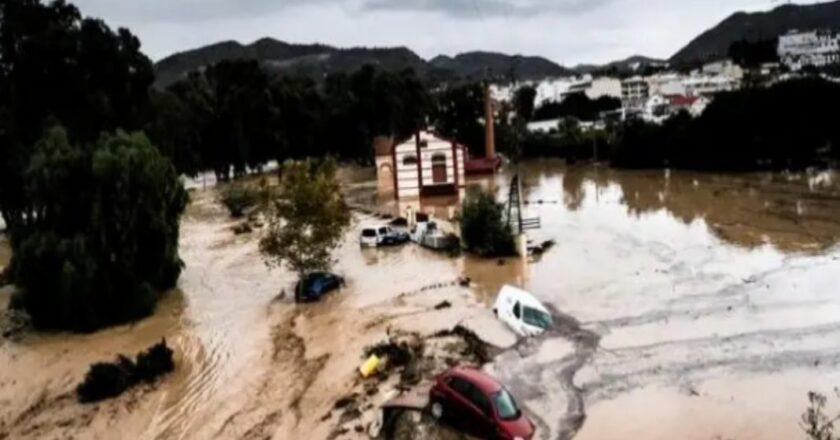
column 424, row 165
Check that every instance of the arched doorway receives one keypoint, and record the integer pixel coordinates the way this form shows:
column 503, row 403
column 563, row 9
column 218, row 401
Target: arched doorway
column 439, row 168
column 386, row 179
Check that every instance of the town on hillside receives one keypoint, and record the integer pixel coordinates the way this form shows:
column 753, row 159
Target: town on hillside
column 657, row 90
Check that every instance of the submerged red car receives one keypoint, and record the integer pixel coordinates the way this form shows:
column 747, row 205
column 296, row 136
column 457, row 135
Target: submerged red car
column 479, row 405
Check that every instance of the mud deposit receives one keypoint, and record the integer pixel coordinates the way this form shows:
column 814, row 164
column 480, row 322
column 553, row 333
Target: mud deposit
column 691, row 306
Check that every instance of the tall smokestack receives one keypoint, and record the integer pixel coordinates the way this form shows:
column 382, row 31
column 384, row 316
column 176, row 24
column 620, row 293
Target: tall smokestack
column 489, row 124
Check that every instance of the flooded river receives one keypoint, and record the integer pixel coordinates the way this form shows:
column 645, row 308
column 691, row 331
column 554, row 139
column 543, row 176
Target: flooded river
column 695, row 306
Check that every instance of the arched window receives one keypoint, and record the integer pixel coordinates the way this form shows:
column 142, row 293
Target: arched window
column 410, row 160
column 439, row 158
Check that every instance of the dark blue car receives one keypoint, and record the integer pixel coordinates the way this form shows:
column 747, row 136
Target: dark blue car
column 315, row 285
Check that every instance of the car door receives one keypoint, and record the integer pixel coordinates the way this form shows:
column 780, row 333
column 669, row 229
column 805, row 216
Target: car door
column 484, row 424
column 462, row 414
column 465, row 414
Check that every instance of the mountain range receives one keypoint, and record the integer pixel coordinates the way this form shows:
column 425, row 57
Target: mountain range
column 319, row 59
column 715, row 42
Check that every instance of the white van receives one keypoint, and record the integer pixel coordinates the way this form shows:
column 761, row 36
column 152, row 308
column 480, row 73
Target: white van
column 369, row 237
column 382, row 236
column 522, row 312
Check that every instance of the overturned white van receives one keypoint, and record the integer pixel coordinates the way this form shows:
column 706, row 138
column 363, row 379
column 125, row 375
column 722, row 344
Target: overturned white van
column 522, row 312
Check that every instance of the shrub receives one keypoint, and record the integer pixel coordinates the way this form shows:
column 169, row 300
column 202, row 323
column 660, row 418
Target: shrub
column 239, row 197
column 108, row 380
column 101, row 239
column 483, row 228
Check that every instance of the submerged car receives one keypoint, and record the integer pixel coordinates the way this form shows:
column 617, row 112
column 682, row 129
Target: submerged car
column 522, row 312
column 382, row 236
column 477, row 404
column 315, row 285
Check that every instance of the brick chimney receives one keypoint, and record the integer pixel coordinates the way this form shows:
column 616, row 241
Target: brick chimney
column 489, row 124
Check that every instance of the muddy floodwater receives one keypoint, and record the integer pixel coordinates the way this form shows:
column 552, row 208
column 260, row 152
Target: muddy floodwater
column 689, row 305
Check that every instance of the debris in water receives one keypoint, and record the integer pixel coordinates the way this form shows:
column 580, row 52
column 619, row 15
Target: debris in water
column 345, row 401
column 443, row 305
column 106, row 380
column 243, row 228
column 370, row 366
column 476, row 348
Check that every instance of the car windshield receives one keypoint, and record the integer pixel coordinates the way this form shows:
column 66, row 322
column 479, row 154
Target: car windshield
column 505, row 405
column 368, row 233
column 537, row 318
column 383, row 231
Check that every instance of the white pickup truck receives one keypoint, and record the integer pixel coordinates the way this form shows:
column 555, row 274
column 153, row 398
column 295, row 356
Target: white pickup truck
column 522, row 312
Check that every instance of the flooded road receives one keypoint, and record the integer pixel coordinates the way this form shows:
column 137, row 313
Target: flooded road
column 694, row 306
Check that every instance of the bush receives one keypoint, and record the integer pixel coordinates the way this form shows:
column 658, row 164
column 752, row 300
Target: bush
column 483, row 229
column 108, row 380
column 239, row 197
column 102, row 237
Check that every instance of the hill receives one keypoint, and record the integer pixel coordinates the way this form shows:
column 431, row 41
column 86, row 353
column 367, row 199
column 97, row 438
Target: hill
column 627, row 65
column 498, row 65
column 280, row 57
column 715, row 42
column 317, row 60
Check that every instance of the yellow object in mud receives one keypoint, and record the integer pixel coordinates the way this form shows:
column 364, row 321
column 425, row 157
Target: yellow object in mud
column 370, row 366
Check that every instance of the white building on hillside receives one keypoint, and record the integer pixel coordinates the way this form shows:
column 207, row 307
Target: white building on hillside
column 706, row 85
column 726, row 68
column 634, row 93
column 666, row 84
column 813, row 48
column 595, row 88
column 548, row 90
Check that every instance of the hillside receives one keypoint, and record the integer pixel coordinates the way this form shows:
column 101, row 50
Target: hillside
column 626, row 65
column 496, row 65
column 317, row 60
column 281, row 57
column 715, row 42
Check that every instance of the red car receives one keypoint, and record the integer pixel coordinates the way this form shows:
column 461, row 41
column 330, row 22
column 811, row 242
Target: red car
column 477, row 404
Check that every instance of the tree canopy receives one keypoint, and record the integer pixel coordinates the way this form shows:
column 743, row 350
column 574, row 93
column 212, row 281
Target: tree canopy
column 57, row 67
column 100, row 236
column 307, row 218
column 484, row 230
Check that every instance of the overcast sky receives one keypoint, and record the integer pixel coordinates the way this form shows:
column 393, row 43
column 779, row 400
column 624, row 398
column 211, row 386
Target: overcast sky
column 566, row 31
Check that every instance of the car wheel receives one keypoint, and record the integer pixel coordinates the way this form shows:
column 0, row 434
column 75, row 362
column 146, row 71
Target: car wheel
column 437, row 410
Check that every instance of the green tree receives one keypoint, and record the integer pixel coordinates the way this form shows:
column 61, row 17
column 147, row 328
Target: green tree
column 524, row 101
column 483, row 227
column 99, row 240
column 307, row 218
column 56, row 66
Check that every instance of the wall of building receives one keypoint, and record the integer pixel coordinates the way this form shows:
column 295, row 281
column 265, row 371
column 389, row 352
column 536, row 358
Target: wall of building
column 407, row 173
column 601, row 87
column 813, row 48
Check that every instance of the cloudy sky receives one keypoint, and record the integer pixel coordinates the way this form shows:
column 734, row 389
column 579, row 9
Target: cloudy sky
column 566, row 31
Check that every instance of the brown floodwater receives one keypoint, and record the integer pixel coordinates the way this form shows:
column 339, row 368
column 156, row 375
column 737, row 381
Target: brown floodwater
column 694, row 306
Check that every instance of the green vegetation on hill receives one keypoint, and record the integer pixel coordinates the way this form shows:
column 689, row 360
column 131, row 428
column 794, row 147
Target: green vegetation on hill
column 756, row 26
